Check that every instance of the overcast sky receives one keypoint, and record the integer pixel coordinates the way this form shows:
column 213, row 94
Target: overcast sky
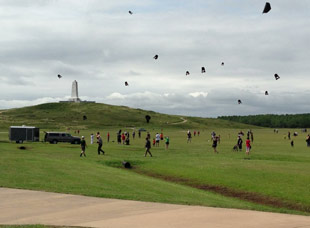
column 99, row 44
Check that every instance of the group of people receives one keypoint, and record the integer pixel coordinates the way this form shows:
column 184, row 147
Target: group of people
column 247, row 142
column 124, row 138
column 189, row 135
column 99, row 142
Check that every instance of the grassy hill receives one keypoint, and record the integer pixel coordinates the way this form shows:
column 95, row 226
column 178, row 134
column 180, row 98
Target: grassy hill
column 70, row 115
column 274, row 178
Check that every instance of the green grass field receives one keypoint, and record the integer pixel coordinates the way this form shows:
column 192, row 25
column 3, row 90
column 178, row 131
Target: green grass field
column 276, row 178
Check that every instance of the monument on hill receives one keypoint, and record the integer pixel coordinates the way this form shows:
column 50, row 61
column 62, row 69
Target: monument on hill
column 75, row 92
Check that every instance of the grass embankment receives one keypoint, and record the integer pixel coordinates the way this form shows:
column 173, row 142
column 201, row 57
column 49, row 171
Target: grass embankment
column 70, row 115
column 275, row 171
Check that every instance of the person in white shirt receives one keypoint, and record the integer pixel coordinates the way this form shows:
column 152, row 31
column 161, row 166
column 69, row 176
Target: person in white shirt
column 157, row 138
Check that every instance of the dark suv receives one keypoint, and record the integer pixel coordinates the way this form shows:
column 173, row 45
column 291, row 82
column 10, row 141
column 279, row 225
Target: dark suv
column 55, row 137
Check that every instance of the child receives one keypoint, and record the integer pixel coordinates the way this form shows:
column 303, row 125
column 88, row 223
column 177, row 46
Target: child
column 248, row 146
column 147, row 147
column 214, row 144
column 92, row 138
column 83, row 146
column 154, row 141
column 167, row 142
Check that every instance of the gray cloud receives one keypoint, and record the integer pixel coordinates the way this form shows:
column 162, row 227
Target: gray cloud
column 99, row 44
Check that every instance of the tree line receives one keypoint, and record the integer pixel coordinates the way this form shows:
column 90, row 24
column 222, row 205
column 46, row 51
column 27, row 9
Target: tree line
column 273, row 121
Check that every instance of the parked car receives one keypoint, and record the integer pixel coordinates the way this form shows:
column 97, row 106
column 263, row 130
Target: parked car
column 55, row 137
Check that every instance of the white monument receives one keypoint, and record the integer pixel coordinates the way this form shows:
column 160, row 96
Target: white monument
column 75, row 92
column 75, row 95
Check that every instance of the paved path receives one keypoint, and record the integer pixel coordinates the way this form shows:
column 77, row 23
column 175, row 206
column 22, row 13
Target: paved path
column 182, row 122
column 33, row 207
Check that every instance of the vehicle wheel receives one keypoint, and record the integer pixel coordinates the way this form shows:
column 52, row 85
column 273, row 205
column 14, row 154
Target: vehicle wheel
column 54, row 141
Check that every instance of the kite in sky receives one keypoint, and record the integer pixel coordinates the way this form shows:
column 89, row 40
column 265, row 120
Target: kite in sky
column 203, row 70
column 126, row 84
column 266, row 93
column 239, row 102
column 267, row 7
column 276, row 76
column 155, row 57
column 59, row 76
column 187, row 73
column 130, row 12
column 222, row 64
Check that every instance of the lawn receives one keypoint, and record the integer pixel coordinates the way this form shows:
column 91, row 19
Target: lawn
column 275, row 170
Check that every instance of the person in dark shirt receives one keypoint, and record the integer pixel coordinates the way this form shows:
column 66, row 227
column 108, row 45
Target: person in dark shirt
column 83, row 146
column 99, row 141
column 239, row 143
column 147, row 147
column 308, row 140
column 214, row 144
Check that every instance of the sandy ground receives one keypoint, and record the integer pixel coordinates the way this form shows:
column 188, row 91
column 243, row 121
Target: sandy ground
column 34, row 207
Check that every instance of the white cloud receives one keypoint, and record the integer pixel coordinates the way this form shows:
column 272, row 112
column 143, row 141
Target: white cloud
column 6, row 104
column 199, row 94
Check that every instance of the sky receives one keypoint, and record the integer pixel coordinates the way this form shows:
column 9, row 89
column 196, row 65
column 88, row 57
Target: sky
column 99, row 44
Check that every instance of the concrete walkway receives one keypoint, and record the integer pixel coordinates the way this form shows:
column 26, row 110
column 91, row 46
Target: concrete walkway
column 33, row 207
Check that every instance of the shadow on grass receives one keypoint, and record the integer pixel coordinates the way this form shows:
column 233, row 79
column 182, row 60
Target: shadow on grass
column 119, row 163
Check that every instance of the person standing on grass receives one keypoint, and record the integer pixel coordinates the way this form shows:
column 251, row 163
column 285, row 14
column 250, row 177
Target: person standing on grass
column 92, row 138
column 167, row 142
column 308, row 140
column 99, row 141
column 133, row 135
column 123, row 138
column 147, row 147
column 189, row 136
column 252, row 136
column 108, row 136
column 214, row 143
column 119, row 138
column 83, row 147
column 157, row 137
column 248, row 146
column 239, row 143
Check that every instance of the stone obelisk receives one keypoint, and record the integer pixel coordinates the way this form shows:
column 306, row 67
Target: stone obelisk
column 74, row 92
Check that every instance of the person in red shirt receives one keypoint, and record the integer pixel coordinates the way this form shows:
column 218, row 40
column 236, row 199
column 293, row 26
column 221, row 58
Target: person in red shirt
column 123, row 138
column 108, row 136
column 248, row 146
